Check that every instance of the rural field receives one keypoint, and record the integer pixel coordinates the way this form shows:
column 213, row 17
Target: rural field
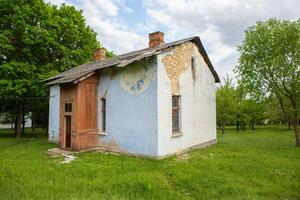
column 261, row 164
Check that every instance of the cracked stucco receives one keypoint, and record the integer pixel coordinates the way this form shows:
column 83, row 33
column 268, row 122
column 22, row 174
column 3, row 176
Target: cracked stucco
column 178, row 62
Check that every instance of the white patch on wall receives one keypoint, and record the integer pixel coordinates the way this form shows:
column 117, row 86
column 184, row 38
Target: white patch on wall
column 137, row 77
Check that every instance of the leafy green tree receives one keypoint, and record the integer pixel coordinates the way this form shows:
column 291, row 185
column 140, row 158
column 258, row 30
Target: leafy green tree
column 38, row 40
column 269, row 64
column 249, row 110
column 274, row 114
column 226, row 103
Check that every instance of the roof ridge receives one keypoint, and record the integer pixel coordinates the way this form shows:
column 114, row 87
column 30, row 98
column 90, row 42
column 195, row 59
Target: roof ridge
column 122, row 60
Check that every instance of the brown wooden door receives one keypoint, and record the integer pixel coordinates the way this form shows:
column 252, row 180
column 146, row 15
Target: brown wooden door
column 68, row 131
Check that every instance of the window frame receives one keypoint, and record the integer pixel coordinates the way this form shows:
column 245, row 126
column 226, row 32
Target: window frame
column 67, row 105
column 103, row 115
column 176, row 108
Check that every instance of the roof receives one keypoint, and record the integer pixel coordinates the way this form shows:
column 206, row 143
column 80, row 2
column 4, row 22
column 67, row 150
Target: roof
column 81, row 72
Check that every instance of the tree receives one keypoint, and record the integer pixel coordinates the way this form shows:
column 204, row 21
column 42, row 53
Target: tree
column 274, row 114
column 226, row 104
column 38, row 40
column 269, row 64
column 249, row 110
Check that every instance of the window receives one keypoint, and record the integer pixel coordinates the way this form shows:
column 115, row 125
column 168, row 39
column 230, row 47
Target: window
column 176, row 114
column 193, row 67
column 103, row 114
column 68, row 107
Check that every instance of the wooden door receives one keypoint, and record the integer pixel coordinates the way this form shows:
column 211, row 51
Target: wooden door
column 68, row 131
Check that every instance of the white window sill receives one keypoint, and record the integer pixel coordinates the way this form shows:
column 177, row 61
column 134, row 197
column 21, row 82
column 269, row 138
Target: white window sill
column 102, row 133
column 177, row 134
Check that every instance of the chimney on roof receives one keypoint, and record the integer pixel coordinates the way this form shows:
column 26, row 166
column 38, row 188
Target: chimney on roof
column 99, row 54
column 156, row 39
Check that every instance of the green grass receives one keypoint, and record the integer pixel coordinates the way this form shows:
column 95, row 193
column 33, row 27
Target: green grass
column 261, row 164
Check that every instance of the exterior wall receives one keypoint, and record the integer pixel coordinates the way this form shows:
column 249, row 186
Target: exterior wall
column 87, row 114
column 131, row 108
column 54, row 103
column 198, row 107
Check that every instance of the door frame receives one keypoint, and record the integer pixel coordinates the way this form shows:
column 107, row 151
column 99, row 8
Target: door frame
column 67, row 137
column 67, row 112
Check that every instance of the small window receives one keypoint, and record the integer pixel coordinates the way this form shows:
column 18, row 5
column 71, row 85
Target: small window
column 193, row 67
column 176, row 114
column 68, row 107
column 103, row 100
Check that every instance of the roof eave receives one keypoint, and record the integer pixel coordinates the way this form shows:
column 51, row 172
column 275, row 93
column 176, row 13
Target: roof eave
column 202, row 51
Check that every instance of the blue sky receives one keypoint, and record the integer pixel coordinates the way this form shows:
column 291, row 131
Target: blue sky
column 123, row 25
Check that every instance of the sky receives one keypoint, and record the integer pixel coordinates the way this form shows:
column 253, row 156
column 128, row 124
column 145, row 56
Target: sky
column 124, row 25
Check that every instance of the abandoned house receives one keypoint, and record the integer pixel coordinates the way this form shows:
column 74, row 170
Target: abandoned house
column 155, row 101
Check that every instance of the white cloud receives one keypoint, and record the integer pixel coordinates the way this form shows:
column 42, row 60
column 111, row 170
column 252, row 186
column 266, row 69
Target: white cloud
column 104, row 7
column 112, row 32
column 219, row 23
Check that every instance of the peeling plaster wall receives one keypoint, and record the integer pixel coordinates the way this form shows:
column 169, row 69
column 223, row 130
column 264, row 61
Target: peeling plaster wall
column 198, row 108
column 54, row 105
column 177, row 63
column 131, row 107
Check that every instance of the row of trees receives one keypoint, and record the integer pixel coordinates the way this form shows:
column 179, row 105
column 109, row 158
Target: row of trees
column 268, row 76
column 236, row 107
column 37, row 40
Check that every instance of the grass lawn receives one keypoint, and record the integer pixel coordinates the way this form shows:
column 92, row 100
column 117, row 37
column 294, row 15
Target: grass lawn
column 261, row 164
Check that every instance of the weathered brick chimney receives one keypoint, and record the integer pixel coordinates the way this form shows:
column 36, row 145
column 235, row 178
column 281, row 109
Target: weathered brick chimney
column 156, row 39
column 99, row 54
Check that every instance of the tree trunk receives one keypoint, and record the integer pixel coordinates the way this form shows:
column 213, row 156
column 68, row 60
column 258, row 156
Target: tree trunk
column 252, row 125
column 237, row 126
column 18, row 126
column 33, row 122
column 15, row 126
column 289, row 123
column 297, row 134
column 23, row 120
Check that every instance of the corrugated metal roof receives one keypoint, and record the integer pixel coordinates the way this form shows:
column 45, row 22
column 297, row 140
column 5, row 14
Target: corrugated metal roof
column 73, row 74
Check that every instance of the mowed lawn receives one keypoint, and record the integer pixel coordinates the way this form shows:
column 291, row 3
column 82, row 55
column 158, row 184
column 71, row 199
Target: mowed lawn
column 261, row 164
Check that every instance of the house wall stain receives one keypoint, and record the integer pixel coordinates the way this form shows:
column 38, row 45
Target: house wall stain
column 110, row 145
column 177, row 63
column 136, row 78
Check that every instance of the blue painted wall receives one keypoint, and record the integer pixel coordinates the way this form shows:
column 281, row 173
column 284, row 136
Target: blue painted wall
column 131, row 99
column 54, row 106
